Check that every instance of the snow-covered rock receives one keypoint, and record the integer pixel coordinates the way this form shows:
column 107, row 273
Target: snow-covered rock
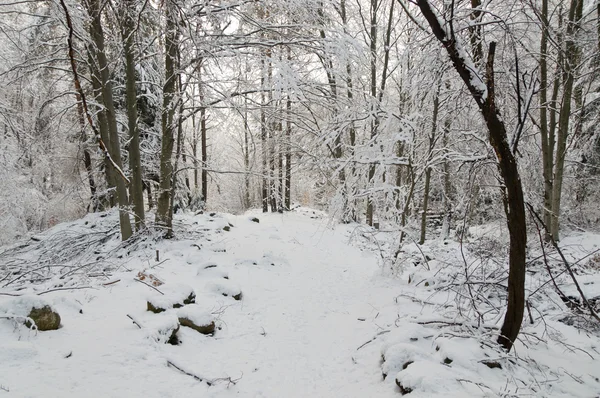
column 197, row 318
column 173, row 296
column 225, row 288
column 34, row 311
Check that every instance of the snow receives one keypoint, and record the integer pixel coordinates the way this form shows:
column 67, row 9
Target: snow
column 318, row 314
column 22, row 305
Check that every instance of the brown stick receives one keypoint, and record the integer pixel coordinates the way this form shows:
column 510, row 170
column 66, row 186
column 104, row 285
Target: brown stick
column 169, row 363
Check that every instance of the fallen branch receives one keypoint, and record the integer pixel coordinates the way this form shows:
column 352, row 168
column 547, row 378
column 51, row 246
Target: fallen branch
column 65, row 288
column 136, row 323
column 149, row 285
column 373, row 339
column 200, row 379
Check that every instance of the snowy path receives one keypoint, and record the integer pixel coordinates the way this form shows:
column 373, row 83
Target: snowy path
column 309, row 307
column 294, row 334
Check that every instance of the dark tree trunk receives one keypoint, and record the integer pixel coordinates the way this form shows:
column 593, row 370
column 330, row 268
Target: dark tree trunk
column 513, row 191
column 107, row 99
column 87, row 159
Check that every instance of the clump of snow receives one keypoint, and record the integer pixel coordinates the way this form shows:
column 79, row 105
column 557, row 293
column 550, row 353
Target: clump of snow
column 22, row 305
column 173, row 296
column 399, row 356
column 161, row 328
column 212, row 270
column 225, row 288
column 427, row 379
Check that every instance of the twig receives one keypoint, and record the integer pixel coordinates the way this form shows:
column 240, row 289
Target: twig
column 147, row 284
column 111, row 283
column 529, row 312
column 373, row 339
column 169, row 363
column 136, row 323
column 364, row 344
column 65, row 288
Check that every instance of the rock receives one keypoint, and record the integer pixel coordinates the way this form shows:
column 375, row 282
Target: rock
column 172, row 336
column 226, row 228
column 157, row 309
column 45, row 318
column 34, row 307
column 196, row 318
column 492, row 364
column 226, row 288
column 212, row 270
column 403, row 390
column 161, row 328
column 174, row 296
column 254, row 219
column 204, row 329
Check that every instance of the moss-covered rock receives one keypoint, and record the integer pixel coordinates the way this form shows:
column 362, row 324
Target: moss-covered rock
column 45, row 318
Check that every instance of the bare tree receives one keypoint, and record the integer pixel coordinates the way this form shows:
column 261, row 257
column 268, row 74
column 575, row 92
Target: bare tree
column 484, row 96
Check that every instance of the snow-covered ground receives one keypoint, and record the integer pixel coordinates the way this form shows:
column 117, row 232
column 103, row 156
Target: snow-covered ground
column 315, row 317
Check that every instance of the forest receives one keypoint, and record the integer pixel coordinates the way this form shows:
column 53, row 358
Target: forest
column 455, row 141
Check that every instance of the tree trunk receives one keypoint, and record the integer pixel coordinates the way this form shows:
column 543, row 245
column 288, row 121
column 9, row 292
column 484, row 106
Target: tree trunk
column 263, row 137
column 513, row 191
column 246, row 150
column 447, row 184
column 107, row 99
column 547, row 150
column 109, row 171
column 87, row 159
column 288, row 154
column 436, row 107
column 570, row 62
column 374, row 121
column 135, row 163
column 164, row 217
column 203, row 144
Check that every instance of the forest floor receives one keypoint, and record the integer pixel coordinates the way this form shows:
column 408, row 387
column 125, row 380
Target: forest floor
column 316, row 314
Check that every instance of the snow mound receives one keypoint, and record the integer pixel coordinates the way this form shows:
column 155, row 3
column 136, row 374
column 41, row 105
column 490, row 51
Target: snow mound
column 225, row 288
column 22, row 306
column 173, row 296
column 213, row 270
column 400, row 356
column 429, row 379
